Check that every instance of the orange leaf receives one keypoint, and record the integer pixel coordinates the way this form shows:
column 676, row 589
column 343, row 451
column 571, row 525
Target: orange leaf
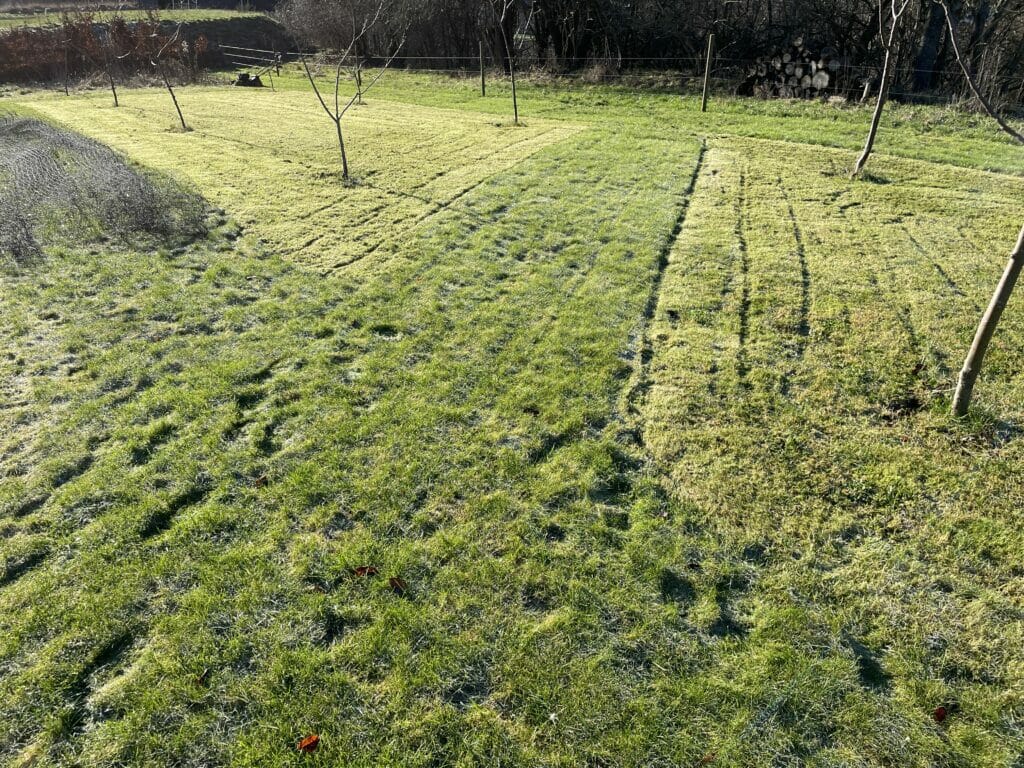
column 309, row 744
column 366, row 570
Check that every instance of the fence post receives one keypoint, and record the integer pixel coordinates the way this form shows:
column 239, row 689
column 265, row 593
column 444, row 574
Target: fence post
column 483, row 73
column 707, row 74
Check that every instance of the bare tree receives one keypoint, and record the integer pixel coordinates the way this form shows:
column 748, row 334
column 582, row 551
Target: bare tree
column 965, row 66
column 350, row 62
column 111, row 54
column 108, row 66
column 986, row 329
column 503, row 12
column 161, row 66
column 896, row 10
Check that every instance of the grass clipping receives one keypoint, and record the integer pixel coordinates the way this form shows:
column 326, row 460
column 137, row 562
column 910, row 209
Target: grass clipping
column 59, row 188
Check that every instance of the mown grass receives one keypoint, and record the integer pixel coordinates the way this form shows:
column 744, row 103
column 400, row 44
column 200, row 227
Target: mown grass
column 937, row 134
column 648, row 415
column 15, row 20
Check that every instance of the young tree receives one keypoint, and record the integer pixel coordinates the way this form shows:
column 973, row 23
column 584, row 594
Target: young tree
column 504, row 14
column 987, row 328
column 110, row 55
column 161, row 51
column 897, row 8
column 107, row 51
column 346, row 26
column 172, row 44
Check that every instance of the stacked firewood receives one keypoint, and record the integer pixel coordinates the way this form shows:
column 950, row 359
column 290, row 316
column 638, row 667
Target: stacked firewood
column 797, row 73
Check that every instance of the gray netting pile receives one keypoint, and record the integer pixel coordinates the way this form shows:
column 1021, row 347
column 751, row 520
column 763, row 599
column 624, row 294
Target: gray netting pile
column 59, row 187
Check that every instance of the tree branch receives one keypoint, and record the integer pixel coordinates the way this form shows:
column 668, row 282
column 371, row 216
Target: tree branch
column 970, row 78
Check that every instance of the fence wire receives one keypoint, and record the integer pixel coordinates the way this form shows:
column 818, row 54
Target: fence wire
column 852, row 81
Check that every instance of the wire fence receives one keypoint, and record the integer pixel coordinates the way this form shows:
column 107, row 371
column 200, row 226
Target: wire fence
column 726, row 74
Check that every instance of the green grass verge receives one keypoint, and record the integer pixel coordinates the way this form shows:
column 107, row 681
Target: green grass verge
column 646, row 409
column 17, row 20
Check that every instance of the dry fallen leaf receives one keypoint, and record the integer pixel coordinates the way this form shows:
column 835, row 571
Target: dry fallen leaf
column 365, row 570
column 940, row 714
column 203, row 676
column 309, row 744
column 398, row 584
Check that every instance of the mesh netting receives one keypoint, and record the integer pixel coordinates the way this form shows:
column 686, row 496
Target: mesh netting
column 57, row 186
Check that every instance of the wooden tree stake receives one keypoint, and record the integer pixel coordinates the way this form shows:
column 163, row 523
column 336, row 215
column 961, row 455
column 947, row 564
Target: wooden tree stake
column 483, row 72
column 707, row 74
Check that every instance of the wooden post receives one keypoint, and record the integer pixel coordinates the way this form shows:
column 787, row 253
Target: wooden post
column 483, row 72
column 707, row 74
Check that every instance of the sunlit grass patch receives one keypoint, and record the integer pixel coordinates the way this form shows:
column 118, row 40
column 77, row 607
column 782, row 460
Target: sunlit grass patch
column 408, row 162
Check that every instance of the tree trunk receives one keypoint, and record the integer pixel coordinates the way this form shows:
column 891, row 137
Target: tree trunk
column 170, row 90
column 979, row 33
column 67, row 91
column 928, row 53
column 512, row 73
column 341, row 146
column 515, row 97
column 876, row 118
column 976, row 355
column 113, row 89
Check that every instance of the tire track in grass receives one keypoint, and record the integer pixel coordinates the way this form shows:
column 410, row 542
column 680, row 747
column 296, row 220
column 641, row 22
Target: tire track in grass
column 689, row 374
column 742, row 362
column 409, row 194
column 803, row 329
column 444, row 205
column 728, row 289
column 637, row 391
column 804, row 324
column 530, row 341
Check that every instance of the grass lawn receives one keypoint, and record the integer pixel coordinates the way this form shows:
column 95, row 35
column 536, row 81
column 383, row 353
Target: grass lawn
column 11, row 20
column 619, row 438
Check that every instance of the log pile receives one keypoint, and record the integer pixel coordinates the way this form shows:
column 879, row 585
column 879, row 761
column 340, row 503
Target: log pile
column 797, row 73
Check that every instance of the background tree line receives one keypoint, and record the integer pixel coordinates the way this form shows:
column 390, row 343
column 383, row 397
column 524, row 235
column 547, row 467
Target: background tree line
column 618, row 35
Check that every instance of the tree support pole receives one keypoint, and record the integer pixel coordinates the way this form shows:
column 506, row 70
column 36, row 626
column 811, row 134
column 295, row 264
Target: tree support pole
column 976, row 356
column 483, row 72
column 707, row 73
